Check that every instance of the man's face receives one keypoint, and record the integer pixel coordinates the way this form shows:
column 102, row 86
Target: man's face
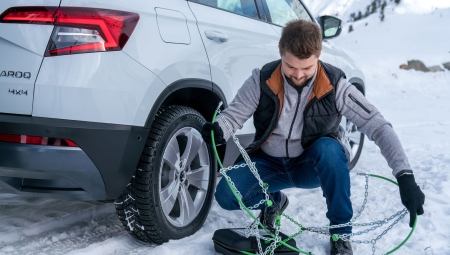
column 298, row 70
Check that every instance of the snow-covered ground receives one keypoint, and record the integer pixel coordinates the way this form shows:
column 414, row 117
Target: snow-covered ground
column 416, row 103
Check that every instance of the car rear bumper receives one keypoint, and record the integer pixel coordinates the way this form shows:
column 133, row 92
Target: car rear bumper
column 99, row 169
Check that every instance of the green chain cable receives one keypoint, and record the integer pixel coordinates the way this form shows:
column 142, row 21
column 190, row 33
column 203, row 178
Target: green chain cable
column 240, row 201
column 273, row 236
column 415, row 221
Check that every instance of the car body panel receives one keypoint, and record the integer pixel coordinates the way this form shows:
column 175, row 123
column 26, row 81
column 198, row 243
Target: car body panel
column 251, row 44
column 23, row 46
column 107, row 87
column 169, row 61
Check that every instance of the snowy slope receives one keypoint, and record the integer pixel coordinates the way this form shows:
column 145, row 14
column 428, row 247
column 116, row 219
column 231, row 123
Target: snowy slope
column 416, row 103
column 343, row 8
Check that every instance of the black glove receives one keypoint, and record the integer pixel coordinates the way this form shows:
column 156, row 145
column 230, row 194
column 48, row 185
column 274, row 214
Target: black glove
column 411, row 195
column 218, row 133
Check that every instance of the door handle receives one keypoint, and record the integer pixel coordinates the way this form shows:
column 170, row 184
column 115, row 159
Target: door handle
column 210, row 34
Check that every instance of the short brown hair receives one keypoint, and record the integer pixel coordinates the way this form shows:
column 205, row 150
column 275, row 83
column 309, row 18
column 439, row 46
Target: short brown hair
column 301, row 38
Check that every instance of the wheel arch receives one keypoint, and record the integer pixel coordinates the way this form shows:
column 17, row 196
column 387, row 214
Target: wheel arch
column 198, row 94
column 190, row 93
column 359, row 84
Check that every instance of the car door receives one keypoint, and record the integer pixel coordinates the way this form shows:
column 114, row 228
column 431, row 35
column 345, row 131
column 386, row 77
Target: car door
column 280, row 12
column 237, row 39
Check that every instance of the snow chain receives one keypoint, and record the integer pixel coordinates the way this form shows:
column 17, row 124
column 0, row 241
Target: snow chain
column 275, row 239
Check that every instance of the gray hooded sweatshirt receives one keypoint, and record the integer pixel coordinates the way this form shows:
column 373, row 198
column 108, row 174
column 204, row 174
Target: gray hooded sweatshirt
column 350, row 102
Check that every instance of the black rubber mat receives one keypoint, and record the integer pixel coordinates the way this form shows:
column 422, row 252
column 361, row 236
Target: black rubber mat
column 228, row 242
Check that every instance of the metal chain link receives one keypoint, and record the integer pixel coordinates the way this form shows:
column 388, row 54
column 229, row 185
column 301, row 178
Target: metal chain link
column 226, row 169
column 250, row 164
column 289, row 238
column 346, row 237
column 253, row 230
column 366, row 194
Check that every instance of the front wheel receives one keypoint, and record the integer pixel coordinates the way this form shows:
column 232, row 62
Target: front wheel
column 353, row 141
column 170, row 195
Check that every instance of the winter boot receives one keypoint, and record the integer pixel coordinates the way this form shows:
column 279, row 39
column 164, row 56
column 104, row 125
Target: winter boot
column 340, row 247
column 268, row 215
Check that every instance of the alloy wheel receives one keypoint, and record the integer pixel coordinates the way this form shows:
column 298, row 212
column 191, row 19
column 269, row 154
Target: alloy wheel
column 353, row 141
column 184, row 176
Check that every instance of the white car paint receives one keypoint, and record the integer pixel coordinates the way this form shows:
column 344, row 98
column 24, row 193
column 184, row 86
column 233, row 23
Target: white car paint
column 121, row 87
column 171, row 62
column 19, row 42
column 251, row 44
column 169, row 44
column 107, row 87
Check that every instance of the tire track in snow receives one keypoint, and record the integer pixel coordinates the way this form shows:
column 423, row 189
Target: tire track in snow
column 61, row 235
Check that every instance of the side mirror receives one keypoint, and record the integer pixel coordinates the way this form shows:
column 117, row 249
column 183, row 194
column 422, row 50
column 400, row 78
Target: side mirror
column 331, row 26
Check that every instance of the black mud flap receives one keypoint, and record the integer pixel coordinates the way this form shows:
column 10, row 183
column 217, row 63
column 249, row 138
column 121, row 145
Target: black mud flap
column 229, row 242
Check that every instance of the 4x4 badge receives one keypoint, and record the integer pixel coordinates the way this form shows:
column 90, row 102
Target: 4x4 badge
column 18, row 92
column 25, row 75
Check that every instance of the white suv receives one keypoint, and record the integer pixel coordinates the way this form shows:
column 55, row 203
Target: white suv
column 94, row 94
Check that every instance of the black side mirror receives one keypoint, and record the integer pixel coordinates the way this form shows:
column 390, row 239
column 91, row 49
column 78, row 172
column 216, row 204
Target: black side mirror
column 331, row 26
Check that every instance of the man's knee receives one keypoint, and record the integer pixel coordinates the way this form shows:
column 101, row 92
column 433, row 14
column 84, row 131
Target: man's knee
column 330, row 154
column 327, row 144
column 225, row 197
column 327, row 147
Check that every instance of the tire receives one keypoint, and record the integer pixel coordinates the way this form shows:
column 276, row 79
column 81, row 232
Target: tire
column 170, row 194
column 353, row 140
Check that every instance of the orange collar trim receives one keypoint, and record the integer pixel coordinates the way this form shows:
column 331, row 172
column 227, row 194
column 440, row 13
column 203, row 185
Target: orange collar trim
column 276, row 84
column 322, row 84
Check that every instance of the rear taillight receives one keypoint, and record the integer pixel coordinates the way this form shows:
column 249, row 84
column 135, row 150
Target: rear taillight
column 29, row 15
column 78, row 30
column 37, row 140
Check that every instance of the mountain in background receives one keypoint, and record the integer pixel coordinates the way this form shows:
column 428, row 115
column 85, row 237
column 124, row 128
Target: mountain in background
column 344, row 9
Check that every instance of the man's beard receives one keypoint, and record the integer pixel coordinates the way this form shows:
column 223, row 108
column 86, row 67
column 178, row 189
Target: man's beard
column 299, row 83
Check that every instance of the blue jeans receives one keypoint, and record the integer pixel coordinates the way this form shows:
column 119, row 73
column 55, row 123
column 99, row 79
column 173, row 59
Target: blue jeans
column 323, row 165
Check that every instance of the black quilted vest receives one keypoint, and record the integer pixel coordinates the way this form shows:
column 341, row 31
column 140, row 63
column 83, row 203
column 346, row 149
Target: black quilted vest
column 321, row 117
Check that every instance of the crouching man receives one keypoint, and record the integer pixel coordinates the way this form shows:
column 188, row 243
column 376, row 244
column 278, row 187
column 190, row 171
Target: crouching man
column 297, row 103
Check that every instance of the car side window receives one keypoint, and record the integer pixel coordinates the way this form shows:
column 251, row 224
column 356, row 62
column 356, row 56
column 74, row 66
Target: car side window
column 243, row 7
column 283, row 11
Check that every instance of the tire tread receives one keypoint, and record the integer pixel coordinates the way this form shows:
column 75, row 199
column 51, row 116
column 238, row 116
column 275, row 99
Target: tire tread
column 136, row 205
